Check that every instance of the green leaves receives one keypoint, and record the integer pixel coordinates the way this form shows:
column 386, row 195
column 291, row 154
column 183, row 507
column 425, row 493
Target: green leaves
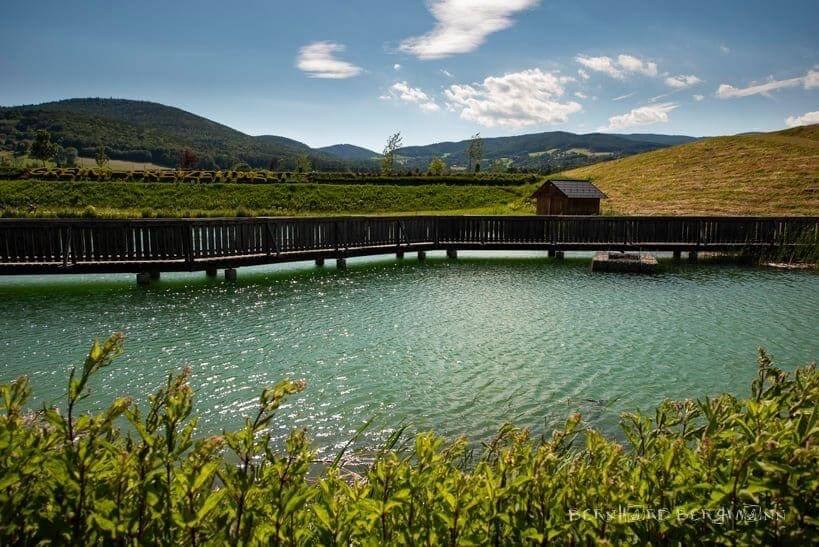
column 690, row 472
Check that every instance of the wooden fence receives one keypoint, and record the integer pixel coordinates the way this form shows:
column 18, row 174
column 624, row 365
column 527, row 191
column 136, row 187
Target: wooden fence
column 66, row 245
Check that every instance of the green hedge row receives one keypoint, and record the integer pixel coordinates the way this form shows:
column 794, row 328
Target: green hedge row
column 26, row 196
column 261, row 177
column 716, row 471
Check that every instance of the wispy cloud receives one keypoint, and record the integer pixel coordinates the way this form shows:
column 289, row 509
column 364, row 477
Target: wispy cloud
column 698, row 97
column 463, row 25
column 318, row 61
column 446, row 73
column 682, row 81
column 809, row 81
column 618, row 68
column 396, row 66
column 583, row 74
column 807, row 118
column 624, row 97
column 402, row 91
column 580, row 95
column 645, row 115
column 517, row 99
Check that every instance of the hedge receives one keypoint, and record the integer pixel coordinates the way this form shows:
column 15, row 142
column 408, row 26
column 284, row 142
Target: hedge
column 716, row 471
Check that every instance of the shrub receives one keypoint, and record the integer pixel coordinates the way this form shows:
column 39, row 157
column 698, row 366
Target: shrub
column 725, row 470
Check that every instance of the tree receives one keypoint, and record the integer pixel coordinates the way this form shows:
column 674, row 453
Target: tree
column 102, row 158
column 59, row 156
column 303, row 164
column 436, row 166
column 498, row 166
column 187, row 159
column 21, row 148
column 70, row 156
column 42, row 149
column 388, row 161
column 475, row 152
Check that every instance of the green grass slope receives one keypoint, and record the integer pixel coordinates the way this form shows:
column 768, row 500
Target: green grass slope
column 133, row 199
column 756, row 174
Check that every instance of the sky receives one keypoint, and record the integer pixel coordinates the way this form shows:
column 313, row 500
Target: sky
column 355, row 71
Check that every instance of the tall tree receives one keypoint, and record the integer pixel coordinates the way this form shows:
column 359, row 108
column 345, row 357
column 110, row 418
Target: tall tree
column 42, row 148
column 303, row 164
column 187, row 159
column 388, row 161
column 436, row 166
column 475, row 152
column 102, row 157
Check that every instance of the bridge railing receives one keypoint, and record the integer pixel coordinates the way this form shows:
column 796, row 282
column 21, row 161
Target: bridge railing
column 73, row 241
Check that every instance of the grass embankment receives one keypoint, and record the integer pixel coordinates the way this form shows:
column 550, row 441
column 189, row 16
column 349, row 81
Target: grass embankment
column 135, row 200
column 759, row 174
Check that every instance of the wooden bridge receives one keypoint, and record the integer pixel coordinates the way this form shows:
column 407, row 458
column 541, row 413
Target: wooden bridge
column 147, row 247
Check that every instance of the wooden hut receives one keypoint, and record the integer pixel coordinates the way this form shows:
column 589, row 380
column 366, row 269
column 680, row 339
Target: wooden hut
column 568, row 197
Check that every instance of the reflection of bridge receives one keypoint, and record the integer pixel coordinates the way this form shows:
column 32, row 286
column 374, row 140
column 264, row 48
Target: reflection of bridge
column 61, row 246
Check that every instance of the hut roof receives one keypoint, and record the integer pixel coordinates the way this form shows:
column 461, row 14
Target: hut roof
column 582, row 189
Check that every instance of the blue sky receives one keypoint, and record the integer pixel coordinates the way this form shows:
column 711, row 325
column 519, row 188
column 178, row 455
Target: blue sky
column 356, row 71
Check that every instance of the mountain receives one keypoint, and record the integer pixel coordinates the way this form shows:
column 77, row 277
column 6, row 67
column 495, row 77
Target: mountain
column 751, row 174
column 151, row 132
column 350, row 152
column 142, row 131
column 549, row 151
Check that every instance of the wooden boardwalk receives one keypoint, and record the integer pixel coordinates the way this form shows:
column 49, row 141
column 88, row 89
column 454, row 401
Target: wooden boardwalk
column 61, row 246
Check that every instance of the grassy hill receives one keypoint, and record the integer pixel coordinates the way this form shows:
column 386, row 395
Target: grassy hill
column 350, row 152
column 757, row 174
column 142, row 131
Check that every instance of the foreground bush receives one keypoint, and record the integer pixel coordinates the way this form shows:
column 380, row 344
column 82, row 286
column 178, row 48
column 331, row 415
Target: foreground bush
column 719, row 470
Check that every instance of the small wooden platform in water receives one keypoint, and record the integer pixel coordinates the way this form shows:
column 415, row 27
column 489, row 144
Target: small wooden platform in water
column 612, row 261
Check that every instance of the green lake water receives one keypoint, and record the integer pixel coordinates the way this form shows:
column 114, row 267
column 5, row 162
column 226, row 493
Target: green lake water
column 456, row 346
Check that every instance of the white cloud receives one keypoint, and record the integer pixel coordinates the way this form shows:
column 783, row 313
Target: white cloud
column 619, row 68
column 396, row 66
column 601, row 64
column 463, row 25
column 623, row 97
column 446, row 73
column 634, row 64
column 724, row 49
column 402, row 91
column 517, row 99
column 807, row 118
column 583, row 74
column 645, row 115
column 318, row 61
column 682, row 81
column 580, row 95
column 698, row 97
column 809, row 81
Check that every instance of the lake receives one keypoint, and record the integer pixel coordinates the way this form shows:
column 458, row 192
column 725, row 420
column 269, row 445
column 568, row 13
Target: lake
column 456, row 346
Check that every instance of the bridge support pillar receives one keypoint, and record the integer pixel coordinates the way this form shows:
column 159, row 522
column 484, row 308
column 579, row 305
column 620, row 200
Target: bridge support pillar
column 677, row 255
column 692, row 256
column 154, row 275
column 319, row 262
column 422, row 255
column 143, row 279
column 399, row 255
column 551, row 253
column 554, row 253
column 452, row 254
column 230, row 274
column 341, row 263
column 210, row 272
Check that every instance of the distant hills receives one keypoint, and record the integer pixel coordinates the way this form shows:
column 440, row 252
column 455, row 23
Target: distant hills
column 142, row 131
column 753, row 174
column 549, row 151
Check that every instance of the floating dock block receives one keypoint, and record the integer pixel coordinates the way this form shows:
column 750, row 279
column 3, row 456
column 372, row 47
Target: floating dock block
column 608, row 261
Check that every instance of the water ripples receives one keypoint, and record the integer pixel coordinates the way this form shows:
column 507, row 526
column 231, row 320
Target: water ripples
column 460, row 347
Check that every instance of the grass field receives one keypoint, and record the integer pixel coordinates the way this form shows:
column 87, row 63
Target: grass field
column 132, row 199
column 758, row 174
column 118, row 165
